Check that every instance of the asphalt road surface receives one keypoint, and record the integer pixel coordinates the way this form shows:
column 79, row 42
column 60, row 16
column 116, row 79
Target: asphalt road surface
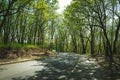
column 62, row 67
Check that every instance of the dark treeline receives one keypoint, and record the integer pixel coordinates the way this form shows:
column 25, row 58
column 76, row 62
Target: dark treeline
column 87, row 26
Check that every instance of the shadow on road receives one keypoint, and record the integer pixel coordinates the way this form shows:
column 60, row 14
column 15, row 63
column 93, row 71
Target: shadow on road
column 60, row 69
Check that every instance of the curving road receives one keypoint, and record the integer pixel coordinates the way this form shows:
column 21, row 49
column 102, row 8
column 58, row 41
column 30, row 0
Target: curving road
column 62, row 67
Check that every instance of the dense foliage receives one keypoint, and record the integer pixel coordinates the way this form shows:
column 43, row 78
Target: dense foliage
column 87, row 26
column 26, row 22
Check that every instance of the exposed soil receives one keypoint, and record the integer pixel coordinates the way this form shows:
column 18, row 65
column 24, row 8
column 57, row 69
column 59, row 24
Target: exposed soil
column 10, row 55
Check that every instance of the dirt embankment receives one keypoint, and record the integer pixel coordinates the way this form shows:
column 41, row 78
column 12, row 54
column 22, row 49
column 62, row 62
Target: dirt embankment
column 10, row 53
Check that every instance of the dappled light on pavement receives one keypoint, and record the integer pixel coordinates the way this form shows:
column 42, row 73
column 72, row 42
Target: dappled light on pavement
column 67, row 67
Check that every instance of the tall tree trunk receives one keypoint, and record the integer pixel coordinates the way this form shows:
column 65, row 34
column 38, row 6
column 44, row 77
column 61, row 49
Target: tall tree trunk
column 83, row 43
column 74, row 43
column 109, row 47
column 92, row 41
column 116, row 37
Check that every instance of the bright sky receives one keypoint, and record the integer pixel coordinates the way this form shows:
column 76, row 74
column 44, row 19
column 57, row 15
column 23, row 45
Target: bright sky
column 62, row 5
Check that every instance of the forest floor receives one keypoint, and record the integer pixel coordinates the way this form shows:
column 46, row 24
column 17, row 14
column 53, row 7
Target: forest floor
column 111, row 72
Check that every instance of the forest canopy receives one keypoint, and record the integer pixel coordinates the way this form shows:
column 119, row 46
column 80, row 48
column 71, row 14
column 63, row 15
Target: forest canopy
column 86, row 26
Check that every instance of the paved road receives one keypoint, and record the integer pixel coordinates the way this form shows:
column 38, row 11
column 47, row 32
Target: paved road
column 23, row 70
column 62, row 67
